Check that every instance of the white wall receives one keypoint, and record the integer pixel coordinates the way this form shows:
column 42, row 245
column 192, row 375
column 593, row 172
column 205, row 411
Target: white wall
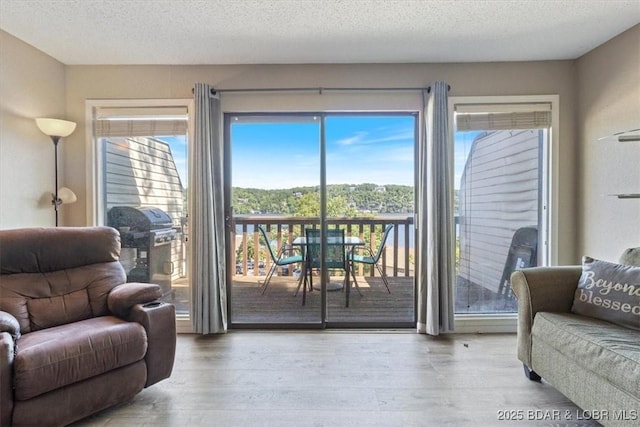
column 609, row 102
column 532, row 78
column 32, row 84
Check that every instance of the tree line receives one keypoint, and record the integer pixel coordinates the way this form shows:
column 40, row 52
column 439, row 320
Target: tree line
column 349, row 200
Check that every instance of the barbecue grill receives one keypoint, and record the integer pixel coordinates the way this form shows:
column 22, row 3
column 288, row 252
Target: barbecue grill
column 149, row 231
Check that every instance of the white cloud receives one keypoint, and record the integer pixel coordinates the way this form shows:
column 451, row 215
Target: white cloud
column 355, row 139
column 376, row 137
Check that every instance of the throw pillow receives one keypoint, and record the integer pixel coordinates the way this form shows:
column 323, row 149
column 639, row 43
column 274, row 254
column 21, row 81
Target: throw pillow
column 609, row 292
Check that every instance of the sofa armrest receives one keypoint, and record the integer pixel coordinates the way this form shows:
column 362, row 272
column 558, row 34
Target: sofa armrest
column 159, row 320
column 123, row 297
column 7, row 354
column 541, row 289
column 9, row 324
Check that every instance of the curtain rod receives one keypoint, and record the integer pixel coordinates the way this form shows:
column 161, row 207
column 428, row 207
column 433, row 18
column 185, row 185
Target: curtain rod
column 320, row 90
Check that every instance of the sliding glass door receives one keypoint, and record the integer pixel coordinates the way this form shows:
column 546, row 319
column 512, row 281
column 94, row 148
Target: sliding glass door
column 370, row 187
column 348, row 172
column 275, row 185
column 142, row 192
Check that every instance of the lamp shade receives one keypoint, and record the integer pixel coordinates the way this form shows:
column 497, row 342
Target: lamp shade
column 66, row 195
column 55, row 127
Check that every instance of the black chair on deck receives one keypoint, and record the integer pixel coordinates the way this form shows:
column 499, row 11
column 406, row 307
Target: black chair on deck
column 281, row 258
column 371, row 258
column 334, row 256
column 523, row 253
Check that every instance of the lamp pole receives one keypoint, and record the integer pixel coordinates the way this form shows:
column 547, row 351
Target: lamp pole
column 56, row 200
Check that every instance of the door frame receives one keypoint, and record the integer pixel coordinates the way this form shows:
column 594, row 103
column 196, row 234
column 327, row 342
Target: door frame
column 94, row 161
column 228, row 213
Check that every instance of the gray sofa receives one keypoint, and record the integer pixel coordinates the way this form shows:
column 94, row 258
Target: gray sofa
column 594, row 363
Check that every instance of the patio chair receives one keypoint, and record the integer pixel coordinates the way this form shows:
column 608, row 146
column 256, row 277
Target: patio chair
column 279, row 259
column 370, row 258
column 334, row 257
column 523, row 253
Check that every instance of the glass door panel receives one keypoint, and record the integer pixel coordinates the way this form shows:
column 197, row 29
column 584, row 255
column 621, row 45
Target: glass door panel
column 370, row 185
column 275, row 185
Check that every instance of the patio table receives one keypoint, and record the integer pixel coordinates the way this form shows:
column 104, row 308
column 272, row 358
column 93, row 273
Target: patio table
column 350, row 242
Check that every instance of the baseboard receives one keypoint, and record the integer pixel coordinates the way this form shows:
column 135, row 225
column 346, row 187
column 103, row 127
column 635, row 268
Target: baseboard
column 183, row 325
column 487, row 324
column 464, row 324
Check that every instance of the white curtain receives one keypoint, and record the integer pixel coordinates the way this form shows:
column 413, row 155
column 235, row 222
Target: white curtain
column 207, row 225
column 436, row 267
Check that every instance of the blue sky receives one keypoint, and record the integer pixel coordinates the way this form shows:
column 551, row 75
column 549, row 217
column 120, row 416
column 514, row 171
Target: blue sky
column 282, row 154
column 376, row 149
column 179, row 152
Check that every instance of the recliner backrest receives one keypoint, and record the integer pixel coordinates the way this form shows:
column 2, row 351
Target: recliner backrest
column 53, row 276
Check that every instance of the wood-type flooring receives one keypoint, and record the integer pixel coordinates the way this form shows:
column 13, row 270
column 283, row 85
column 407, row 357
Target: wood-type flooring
column 345, row 378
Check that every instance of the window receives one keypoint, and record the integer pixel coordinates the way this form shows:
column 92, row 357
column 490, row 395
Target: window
column 501, row 199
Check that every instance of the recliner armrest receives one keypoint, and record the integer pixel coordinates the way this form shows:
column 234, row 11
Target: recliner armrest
column 9, row 324
column 7, row 354
column 123, row 297
column 159, row 321
column 541, row 289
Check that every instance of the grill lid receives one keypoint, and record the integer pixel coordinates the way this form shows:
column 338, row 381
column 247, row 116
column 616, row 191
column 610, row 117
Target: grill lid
column 139, row 219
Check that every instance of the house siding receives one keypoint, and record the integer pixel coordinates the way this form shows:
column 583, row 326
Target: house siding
column 498, row 194
column 141, row 172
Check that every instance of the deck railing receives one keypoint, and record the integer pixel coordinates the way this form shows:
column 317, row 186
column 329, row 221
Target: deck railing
column 397, row 258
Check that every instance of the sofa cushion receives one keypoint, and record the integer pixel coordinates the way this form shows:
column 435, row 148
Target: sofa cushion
column 609, row 292
column 52, row 358
column 609, row 351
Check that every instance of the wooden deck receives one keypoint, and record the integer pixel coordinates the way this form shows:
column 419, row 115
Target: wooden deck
column 279, row 305
column 375, row 307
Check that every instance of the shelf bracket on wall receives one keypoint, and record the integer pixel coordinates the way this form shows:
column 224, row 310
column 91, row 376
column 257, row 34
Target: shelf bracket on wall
column 632, row 135
column 627, row 195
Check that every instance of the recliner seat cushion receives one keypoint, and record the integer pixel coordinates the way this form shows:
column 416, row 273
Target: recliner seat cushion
column 55, row 357
column 608, row 350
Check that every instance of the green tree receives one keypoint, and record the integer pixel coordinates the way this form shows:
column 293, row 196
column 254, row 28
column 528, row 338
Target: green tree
column 308, row 204
column 348, row 200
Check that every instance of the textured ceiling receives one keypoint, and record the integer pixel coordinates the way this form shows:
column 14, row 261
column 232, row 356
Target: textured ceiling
column 314, row 31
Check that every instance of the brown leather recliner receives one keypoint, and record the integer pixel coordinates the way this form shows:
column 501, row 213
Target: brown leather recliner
column 74, row 337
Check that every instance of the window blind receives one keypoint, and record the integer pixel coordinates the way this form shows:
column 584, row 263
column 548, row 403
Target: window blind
column 156, row 121
column 476, row 117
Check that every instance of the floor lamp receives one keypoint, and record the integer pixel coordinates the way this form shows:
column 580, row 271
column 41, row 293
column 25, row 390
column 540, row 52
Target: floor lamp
column 57, row 129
